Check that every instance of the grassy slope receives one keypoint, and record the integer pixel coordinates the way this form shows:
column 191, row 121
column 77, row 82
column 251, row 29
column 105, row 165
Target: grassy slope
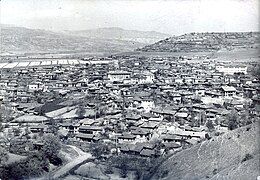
column 223, row 154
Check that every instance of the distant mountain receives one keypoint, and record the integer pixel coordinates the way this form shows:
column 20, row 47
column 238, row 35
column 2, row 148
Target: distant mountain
column 232, row 156
column 200, row 42
column 19, row 39
column 115, row 33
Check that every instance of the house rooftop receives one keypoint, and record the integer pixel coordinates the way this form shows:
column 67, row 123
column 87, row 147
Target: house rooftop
column 228, row 88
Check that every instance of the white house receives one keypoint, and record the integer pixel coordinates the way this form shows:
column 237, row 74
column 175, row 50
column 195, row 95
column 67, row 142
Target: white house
column 147, row 104
column 118, row 75
column 232, row 69
column 35, row 86
column 228, row 91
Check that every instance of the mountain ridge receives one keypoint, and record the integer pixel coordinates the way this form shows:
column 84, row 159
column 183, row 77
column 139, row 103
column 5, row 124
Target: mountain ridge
column 146, row 37
column 199, row 42
column 22, row 39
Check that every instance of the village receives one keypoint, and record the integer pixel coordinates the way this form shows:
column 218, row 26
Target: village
column 141, row 106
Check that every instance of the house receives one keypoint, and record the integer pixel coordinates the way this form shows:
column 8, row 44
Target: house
column 90, row 130
column 175, row 96
column 186, row 95
column 234, row 104
column 147, row 153
column 148, row 115
column 232, row 69
column 249, row 92
column 150, row 125
column 126, row 137
column 147, row 104
column 199, row 90
column 137, row 148
column 118, row 75
column 38, row 128
column 192, row 141
column 141, row 133
column 133, row 118
column 158, row 112
column 171, row 138
column 210, row 116
column 169, row 147
column 87, row 122
column 70, row 127
column 125, row 148
column 35, row 86
column 87, row 137
column 212, row 94
column 228, row 91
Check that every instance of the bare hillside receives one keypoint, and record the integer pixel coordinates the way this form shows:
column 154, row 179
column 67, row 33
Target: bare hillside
column 205, row 42
column 232, row 156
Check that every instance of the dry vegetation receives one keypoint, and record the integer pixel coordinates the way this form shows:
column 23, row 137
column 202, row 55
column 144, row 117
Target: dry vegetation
column 234, row 155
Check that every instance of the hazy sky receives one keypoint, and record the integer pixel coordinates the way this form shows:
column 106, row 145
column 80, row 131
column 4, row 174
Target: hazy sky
column 169, row 16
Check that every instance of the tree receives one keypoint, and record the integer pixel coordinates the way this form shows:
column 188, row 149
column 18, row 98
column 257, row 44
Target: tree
column 1, row 121
column 51, row 148
column 53, row 126
column 33, row 166
column 81, row 112
column 232, row 120
column 203, row 117
column 123, row 171
column 3, row 156
column 256, row 71
column 8, row 138
column 99, row 149
column 16, row 131
column 210, row 125
column 245, row 118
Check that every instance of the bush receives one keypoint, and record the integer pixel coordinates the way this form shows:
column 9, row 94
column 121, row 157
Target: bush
column 232, row 120
column 51, row 148
column 3, row 156
column 123, row 172
column 109, row 170
column 247, row 157
column 163, row 173
column 33, row 166
column 99, row 149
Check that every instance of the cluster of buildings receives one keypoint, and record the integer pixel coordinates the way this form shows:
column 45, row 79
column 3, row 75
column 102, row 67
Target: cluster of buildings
column 145, row 106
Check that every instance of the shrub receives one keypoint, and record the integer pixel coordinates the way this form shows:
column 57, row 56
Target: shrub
column 109, row 170
column 163, row 173
column 33, row 166
column 123, row 173
column 51, row 148
column 247, row 157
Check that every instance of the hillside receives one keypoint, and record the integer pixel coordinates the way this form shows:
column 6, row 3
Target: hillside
column 205, row 42
column 222, row 157
column 19, row 39
column 146, row 37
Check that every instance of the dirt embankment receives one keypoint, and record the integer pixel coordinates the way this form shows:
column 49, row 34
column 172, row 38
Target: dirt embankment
column 232, row 156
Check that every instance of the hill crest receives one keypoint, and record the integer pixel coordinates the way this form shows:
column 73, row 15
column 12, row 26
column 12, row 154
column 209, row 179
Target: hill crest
column 205, row 42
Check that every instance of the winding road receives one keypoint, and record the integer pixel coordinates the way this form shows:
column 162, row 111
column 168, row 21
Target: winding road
column 63, row 170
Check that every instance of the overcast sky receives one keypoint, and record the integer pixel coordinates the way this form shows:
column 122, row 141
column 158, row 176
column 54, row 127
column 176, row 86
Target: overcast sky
column 168, row 16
